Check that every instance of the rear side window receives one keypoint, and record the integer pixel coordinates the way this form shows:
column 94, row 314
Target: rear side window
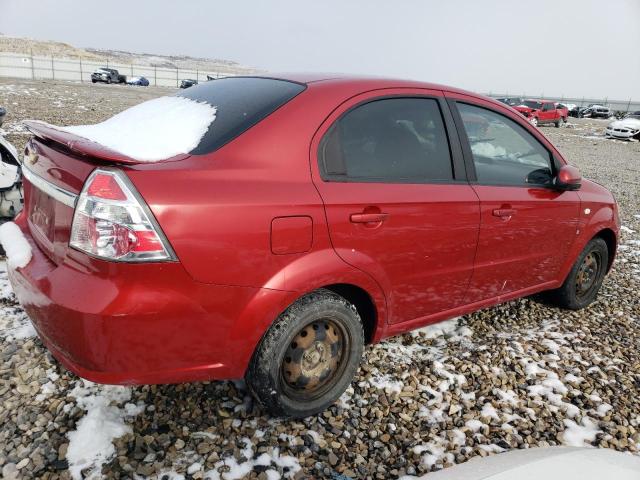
column 388, row 140
column 240, row 103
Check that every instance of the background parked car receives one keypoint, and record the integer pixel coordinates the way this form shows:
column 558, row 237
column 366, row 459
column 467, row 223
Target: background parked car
column 107, row 75
column 141, row 81
column 11, row 194
column 628, row 127
column 574, row 111
column 564, row 110
column 599, row 111
column 539, row 112
column 188, row 82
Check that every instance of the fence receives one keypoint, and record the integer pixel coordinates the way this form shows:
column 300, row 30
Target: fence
column 622, row 105
column 51, row 68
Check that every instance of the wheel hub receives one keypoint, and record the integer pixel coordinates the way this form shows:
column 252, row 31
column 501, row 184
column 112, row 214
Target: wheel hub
column 587, row 274
column 313, row 357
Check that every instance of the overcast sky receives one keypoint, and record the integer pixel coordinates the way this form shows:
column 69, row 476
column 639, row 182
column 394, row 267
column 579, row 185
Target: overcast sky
column 570, row 47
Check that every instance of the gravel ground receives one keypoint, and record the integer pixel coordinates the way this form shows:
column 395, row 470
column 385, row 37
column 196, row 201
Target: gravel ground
column 518, row 375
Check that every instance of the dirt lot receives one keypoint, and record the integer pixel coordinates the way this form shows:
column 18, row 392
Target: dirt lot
column 518, row 375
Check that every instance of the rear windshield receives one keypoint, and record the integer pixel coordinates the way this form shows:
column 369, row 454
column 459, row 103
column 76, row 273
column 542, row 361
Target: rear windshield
column 240, row 103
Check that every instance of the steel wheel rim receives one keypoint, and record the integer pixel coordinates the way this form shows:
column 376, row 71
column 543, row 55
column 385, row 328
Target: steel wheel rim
column 314, row 359
column 588, row 273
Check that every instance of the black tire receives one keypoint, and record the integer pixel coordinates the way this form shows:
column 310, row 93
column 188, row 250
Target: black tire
column 584, row 280
column 331, row 328
column 93, row 80
column 558, row 122
column 109, row 80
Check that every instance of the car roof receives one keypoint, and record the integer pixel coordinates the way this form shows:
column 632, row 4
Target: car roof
column 365, row 82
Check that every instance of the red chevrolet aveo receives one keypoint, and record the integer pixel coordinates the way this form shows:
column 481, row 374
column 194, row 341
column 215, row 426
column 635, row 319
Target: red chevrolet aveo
column 312, row 215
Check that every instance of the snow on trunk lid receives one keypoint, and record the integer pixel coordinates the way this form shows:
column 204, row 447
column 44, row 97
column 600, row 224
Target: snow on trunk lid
column 155, row 130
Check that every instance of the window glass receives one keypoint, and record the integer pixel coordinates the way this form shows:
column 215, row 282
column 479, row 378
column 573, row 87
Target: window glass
column 532, row 104
column 398, row 139
column 241, row 102
column 504, row 153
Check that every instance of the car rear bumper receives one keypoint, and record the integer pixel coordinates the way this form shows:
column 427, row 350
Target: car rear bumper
column 136, row 324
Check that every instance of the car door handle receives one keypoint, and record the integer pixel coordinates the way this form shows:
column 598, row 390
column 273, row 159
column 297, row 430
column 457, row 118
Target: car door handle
column 368, row 217
column 504, row 212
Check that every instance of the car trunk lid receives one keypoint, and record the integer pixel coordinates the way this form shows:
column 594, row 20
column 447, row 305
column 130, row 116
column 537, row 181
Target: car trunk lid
column 55, row 168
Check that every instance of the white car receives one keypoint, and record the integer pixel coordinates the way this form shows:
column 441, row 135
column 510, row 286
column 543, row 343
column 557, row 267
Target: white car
column 11, row 194
column 552, row 463
column 628, row 127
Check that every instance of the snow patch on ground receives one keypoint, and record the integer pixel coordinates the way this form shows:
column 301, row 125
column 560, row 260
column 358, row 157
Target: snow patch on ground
column 154, row 130
column 91, row 444
column 15, row 245
column 386, row 383
column 14, row 322
column 449, row 329
column 580, row 435
column 271, row 463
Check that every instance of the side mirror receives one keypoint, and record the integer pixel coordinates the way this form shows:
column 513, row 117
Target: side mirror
column 568, row 178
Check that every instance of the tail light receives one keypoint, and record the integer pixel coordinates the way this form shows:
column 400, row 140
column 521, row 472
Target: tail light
column 112, row 221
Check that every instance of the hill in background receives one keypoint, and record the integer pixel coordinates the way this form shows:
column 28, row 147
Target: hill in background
column 48, row 48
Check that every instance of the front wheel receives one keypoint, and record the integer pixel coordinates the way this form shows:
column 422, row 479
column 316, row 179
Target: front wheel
column 534, row 121
column 585, row 278
column 308, row 357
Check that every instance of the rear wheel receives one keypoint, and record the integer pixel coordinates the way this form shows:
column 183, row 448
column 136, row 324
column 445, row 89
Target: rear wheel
column 558, row 122
column 585, row 278
column 308, row 357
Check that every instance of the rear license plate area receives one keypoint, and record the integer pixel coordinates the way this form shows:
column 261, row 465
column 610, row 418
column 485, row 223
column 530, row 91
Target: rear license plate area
column 42, row 214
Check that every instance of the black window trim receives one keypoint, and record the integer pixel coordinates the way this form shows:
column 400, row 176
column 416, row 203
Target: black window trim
column 458, row 167
column 468, row 155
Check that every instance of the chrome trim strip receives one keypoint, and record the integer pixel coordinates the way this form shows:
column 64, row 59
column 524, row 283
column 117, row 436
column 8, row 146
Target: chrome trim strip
column 60, row 194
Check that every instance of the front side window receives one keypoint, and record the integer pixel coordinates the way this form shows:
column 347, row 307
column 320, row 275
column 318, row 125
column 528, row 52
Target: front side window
column 388, row 140
column 532, row 104
column 504, row 153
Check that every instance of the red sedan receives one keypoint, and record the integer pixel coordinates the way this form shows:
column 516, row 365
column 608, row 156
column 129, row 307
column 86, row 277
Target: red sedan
column 269, row 228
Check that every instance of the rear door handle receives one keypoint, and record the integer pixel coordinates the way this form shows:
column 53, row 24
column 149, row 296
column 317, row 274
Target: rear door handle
column 504, row 212
column 368, row 217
